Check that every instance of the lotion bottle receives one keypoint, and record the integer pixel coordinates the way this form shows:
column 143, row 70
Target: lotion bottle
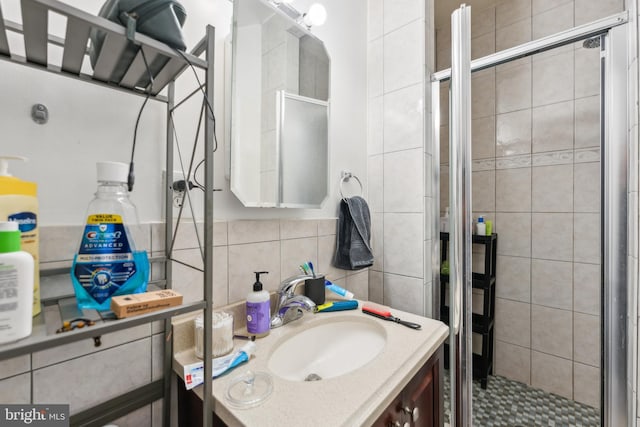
column 16, row 285
column 19, row 204
column 258, row 309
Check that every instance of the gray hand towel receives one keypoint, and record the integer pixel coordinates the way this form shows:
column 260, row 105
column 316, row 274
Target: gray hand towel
column 353, row 248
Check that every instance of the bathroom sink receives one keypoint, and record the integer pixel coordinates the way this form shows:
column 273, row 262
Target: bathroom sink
column 327, row 350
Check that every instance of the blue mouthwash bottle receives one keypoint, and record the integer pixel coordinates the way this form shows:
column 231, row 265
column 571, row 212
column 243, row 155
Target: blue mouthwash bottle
column 107, row 262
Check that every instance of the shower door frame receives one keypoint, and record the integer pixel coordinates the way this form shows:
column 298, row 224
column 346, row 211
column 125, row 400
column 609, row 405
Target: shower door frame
column 616, row 299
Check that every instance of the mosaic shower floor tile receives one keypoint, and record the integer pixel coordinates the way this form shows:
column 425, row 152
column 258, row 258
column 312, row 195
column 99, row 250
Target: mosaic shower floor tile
column 507, row 403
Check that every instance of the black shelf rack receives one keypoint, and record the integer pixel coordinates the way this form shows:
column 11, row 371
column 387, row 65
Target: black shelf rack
column 482, row 323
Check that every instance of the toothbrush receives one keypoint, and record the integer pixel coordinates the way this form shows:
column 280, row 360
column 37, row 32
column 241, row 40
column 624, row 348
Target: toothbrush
column 310, row 264
column 303, row 267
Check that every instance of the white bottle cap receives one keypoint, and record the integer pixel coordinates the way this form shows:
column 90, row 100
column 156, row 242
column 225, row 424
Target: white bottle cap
column 4, row 164
column 8, row 226
column 112, row 171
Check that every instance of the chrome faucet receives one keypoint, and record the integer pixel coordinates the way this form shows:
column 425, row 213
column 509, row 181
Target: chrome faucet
column 289, row 306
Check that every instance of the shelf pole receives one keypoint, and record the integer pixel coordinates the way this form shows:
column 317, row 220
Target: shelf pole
column 207, row 415
column 168, row 233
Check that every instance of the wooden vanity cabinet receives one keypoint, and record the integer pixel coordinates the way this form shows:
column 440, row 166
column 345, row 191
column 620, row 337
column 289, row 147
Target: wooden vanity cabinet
column 420, row 403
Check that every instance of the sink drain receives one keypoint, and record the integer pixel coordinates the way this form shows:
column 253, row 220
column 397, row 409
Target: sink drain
column 313, row 377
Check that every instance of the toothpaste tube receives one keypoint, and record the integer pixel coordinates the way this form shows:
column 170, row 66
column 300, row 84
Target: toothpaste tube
column 338, row 290
column 194, row 373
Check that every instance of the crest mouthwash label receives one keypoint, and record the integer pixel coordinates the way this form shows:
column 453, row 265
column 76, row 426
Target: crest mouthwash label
column 105, row 261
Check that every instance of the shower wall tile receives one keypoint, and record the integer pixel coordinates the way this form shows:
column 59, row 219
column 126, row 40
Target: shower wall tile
column 513, row 190
column 377, row 241
column 514, row 230
column 552, row 374
column 587, row 11
column 552, row 78
column 551, row 331
column 513, row 34
column 404, row 293
column 586, row 339
column 551, row 236
column 587, row 187
column 586, row 238
column 552, row 283
column 398, row 13
column 483, row 94
column 375, row 19
column 513, row 133
column 552, row 189
column 403, row 119
column 510, row 11
column 587, row 72
column 587, row 122
column 483, row 45
column 553, row 21
column 403, row 244
column 375, row 126
column 483, row 21
column 513, row 86
column 586, row 288
column 375, row 182
column 375, row 68
column 586, row 385
column 539, row 6
column 483, row 187
column 513, row 362
column 553, row 127
column 403, row 55
column 513, row 322
column 404, row 181
column 514, row 275
column 483, row 131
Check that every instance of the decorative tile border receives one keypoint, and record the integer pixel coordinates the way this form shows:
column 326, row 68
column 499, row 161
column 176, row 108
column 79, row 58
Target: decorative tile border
column 551, row 158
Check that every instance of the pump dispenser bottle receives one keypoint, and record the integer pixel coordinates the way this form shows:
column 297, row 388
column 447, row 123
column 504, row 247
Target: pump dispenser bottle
column 108, row 263
column 16, row 285
column 18, row 203
column 258, row 309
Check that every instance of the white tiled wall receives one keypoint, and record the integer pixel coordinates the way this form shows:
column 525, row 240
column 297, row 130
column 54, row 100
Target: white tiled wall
column 400, row 53
column 536, row 175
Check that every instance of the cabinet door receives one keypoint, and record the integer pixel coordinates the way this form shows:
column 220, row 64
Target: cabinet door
column 421, row 397
column 391, row 415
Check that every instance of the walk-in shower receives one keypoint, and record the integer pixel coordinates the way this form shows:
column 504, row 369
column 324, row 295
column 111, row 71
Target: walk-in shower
column 542, row 154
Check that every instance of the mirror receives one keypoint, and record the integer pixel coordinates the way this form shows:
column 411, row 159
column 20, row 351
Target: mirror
column 279, row 109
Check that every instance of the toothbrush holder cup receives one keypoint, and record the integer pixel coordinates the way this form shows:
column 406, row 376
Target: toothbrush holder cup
column 314, row 289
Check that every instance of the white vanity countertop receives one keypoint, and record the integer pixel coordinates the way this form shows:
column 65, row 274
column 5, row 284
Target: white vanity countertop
column 354, row 399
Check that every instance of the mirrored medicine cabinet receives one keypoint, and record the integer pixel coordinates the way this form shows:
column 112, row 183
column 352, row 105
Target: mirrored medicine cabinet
column 280, row 91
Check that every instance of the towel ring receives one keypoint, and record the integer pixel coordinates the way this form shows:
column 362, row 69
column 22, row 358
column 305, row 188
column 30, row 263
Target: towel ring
column 345, row 177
